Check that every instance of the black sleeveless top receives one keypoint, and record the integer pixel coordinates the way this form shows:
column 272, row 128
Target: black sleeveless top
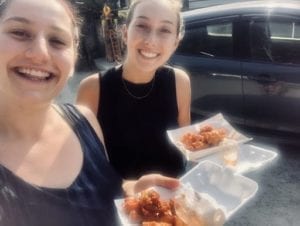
column 87, row 202
column 135, row 128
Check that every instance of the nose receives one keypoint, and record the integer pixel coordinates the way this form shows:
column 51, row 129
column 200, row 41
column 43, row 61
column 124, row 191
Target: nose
column 151, row 38
column 38, row 50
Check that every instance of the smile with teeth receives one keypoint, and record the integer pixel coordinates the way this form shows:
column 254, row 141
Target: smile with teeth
column 34, row 74
column 148, row 54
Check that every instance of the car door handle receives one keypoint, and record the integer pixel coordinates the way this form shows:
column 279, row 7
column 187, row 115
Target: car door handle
column 225, row 75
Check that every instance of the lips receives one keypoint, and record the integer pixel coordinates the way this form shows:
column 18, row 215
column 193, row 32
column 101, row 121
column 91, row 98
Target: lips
column 33, row 74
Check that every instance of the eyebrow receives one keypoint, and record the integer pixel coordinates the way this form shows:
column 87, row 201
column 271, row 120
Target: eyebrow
column 163, row 21
column 18, row 19
column 26, row 21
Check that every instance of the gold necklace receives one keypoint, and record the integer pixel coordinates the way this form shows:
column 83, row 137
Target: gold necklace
column 138, row 97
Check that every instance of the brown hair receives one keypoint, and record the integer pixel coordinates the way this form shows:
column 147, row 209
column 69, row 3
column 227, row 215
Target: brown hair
column 70, row 8
column 176, row 6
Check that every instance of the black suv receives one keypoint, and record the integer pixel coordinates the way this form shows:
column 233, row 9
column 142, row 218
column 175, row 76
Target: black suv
column 244, row 61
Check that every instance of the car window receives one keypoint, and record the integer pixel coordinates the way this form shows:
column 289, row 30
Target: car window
column 275, row 41
column 211, row 40
column 220, row 30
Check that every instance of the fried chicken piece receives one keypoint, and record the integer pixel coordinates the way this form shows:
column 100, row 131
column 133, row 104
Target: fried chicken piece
column 206, row 128
column 154, row 223
column 134, row 216
column 179, row 222
column 193, row 141
column 150, row 204
column 130, row 204
column 206, row 137
column 150, row 210
column 212, row 138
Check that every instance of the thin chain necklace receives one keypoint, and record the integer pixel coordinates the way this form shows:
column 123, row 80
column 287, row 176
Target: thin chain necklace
column 138, row 97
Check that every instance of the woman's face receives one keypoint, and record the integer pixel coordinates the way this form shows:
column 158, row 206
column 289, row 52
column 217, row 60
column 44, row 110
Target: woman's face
column 37, row 52
column 151, row 37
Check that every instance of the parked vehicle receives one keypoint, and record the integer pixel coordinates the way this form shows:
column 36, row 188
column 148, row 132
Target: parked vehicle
column 244, row 61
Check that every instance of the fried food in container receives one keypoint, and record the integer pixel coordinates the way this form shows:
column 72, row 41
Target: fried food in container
column 207, row 136
column 186, row 208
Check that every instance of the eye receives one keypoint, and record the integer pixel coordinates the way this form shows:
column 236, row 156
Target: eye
column 165, row 30
column 21, row 34
column 57, row 42
column 142, row 26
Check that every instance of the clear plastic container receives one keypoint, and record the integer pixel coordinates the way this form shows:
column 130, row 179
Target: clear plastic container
column 228, row 189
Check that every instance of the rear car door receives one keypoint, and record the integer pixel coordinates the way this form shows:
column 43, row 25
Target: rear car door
column 271, row 74
column 207, row 52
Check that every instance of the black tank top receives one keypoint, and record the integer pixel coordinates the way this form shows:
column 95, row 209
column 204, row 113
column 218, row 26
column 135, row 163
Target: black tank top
column 87, row 202
column 135, row 128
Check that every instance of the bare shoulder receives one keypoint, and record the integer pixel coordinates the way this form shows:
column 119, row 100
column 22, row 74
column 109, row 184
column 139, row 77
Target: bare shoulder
column 90, row 116
column 90, row 82
column 88, row 92
column 182, row 77
column 183, row 92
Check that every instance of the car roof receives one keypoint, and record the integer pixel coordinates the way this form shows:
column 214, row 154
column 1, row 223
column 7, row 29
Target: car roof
column 291, row 7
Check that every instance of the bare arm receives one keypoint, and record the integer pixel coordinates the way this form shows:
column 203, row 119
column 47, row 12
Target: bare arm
column 183, row 92
column 90, row 116
column 88, row 93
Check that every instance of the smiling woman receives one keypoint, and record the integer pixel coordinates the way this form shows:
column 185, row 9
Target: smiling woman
column 136, row 102
column 47, row 43
column 53, row 165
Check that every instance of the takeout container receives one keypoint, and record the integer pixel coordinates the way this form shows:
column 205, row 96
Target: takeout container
column 216, row 121
column 199, row 204
column 229, row 189
column 209, row 211
column 250, row 158
column 221, row 191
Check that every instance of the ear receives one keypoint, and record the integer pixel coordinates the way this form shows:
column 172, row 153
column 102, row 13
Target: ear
column 124, row 33
column 71, row 73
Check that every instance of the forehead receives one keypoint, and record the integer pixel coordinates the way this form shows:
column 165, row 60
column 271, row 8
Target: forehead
column 157, row 10
column 47, row 12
